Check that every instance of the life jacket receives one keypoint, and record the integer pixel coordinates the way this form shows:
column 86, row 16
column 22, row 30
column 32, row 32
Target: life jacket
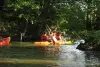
column 44, row 38
column 57, row 37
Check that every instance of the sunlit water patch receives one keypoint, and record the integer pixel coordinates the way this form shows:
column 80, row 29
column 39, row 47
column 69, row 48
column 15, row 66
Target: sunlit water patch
column 69, row 56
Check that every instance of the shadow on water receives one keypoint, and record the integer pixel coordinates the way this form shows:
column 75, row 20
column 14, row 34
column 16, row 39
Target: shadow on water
column 24, row 65
column 68, row 56
column 18, row 65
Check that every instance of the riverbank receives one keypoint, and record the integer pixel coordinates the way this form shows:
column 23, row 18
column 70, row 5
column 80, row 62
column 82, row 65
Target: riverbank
column 85, row 47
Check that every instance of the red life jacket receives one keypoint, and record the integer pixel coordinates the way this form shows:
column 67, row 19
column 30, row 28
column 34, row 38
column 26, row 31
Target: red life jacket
column 57, row 37
column 44, row 38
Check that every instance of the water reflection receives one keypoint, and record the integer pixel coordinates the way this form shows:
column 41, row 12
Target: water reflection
column 70, row 57
column 92, row 58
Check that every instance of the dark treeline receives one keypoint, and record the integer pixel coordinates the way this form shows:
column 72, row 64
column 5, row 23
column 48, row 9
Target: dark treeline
column 26, row 20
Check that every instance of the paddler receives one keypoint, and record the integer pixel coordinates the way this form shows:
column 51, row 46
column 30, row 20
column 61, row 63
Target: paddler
column 44, row 37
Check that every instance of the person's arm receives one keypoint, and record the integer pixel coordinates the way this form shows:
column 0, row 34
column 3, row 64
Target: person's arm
column 54, row 38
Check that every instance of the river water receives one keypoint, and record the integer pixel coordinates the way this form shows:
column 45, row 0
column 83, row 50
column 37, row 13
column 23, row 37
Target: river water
column 68, row 56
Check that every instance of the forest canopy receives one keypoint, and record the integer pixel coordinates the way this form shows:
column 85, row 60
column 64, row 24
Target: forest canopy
column 31, row 17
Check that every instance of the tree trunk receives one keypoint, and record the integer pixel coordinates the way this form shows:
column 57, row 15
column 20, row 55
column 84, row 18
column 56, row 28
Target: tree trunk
column 23, row 32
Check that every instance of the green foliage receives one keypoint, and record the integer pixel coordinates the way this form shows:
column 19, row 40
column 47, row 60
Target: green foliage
column 72, row 15
column 67, row 15
column 92, row 37
column 23, row 9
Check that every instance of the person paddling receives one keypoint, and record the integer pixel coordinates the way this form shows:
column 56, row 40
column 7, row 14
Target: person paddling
column 55, row 40
column 44, row 37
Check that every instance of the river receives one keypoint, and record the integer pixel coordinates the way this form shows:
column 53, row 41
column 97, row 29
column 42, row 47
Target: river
column 68, row 56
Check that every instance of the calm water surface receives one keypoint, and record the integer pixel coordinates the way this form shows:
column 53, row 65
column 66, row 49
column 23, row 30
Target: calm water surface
column 68, row 56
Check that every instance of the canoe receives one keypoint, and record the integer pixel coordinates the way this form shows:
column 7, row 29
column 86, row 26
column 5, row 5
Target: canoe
column 51, row 43
column 5, row 41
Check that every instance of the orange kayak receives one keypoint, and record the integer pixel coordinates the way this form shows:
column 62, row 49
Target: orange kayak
column 5, row 41
column 51, row 43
